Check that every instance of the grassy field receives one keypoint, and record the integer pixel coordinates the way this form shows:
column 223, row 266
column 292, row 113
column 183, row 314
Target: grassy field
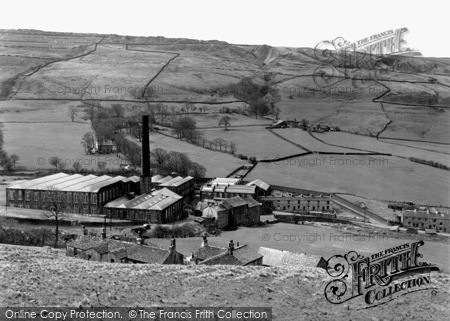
column 37, row 131
column 439, row 148
column 212, row 119
column 419, row 123
column 217, row 164
column 91, row 77
column 254, row 141
column 380, row 178
column 303, row 138
column 372, row 144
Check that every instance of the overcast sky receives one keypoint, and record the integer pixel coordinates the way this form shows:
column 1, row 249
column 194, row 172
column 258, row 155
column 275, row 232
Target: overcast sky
column 293, row 23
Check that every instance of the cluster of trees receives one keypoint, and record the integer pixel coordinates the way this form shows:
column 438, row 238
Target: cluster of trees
column 261, row 99
column 160, row 113
column 167, row 162
column 186, row 128
column 429, row 163
column 8, row 162
column 108, row 124
column 33, row 237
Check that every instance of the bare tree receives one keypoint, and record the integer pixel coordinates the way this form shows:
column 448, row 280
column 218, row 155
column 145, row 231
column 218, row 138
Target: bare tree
column 14, row 159
column 233, row 148
column 56, row 161
column 159, row 156
column 276, row 112
column 225, row 121
column 55, row 205
column 220, row 142
column 77, row 166
column 72, row 113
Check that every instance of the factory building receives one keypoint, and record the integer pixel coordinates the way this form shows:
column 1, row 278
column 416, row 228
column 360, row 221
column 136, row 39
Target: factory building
column 158, row 207
column 73, row 193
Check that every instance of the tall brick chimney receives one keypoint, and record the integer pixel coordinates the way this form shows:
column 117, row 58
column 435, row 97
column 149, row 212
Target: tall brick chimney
column 145, row 161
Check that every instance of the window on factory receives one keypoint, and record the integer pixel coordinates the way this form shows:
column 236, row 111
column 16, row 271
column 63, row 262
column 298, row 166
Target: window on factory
column 36, row 195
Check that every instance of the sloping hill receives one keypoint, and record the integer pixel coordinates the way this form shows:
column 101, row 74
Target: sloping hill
column 34, row 277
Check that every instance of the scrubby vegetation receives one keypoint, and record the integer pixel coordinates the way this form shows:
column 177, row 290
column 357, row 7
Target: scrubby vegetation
column 34, row 237
column 429, row 163
column 183, row 230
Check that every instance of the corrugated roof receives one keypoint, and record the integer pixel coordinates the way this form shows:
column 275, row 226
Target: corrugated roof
column 30, row 183
column 90, row 179
column 156, row 178
column 164, row 179
column 172, row 181
column 183, row 181
column 67, row 183
column 157, row 200
column 97, row 186
column 53, row 184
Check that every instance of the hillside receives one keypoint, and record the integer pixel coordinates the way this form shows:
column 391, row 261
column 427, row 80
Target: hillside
column 35, row 277
column 396, row 105
column 39, row 65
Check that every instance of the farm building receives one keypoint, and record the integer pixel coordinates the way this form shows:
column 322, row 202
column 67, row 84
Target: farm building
column 106, row 147
column 233, row 211
column 239, row 255
column 284, row 201
column 113, row 251
column 73, row 193
column 425, row 220
column 159, row 207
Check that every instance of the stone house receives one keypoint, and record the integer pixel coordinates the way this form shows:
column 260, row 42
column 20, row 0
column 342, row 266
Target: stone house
column 107, row 250
column 239, row 255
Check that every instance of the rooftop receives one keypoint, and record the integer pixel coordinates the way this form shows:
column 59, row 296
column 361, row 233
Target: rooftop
column 156, row 200
column 260, row 184
column 71, row 183
column 225, row 181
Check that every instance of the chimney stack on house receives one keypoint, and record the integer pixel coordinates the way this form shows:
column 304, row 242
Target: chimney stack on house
column 231, row 248
column 205, row 241
column 145, row 161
